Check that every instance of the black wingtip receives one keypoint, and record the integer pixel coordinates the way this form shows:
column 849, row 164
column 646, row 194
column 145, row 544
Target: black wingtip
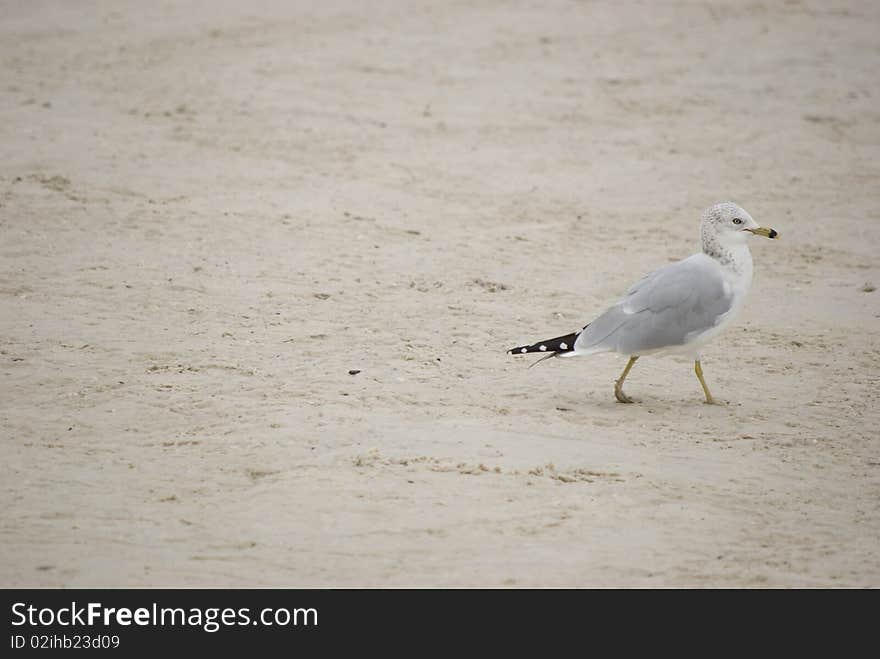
column 559, row 344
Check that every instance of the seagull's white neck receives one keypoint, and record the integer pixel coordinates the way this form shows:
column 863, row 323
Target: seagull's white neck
column 734, row 256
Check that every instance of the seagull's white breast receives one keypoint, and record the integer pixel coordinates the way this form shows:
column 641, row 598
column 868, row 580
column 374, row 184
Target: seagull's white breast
column 736, row 280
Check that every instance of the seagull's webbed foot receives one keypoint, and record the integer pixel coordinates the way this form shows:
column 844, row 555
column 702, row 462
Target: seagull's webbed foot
column 620, row 396
column 618, row 386
column 698, row 369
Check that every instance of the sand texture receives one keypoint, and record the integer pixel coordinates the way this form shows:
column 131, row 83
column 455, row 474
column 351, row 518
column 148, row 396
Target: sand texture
column 260, row 263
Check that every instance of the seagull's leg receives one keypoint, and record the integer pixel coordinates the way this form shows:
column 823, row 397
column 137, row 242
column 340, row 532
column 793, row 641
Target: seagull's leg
column 618, row 386
column 699, row 371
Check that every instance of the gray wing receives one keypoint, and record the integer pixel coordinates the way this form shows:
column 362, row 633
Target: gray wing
column 664, row 309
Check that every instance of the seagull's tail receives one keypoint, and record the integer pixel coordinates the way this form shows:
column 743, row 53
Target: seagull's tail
column 561, row 345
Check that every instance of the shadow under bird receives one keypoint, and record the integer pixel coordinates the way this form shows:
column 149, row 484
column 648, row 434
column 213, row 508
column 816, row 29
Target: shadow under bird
column 676, row 309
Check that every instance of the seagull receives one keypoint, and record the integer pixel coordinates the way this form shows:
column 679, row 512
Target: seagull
column 676, row 309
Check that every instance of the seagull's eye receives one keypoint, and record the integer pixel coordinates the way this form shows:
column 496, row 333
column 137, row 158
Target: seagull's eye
column 736, row 220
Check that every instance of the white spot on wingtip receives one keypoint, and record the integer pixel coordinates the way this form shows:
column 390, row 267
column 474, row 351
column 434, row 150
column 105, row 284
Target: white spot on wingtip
column 564, row 346
column 524, row 350
column 543, row 348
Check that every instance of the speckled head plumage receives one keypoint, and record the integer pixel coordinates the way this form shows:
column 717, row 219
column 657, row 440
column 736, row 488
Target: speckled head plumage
column 727, row 224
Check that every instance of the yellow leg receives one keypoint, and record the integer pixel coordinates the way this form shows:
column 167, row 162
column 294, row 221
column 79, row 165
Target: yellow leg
column 699, row 371
column 618, row 386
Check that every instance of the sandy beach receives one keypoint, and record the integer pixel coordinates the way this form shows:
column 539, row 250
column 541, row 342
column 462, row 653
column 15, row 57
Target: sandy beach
column 260, row 264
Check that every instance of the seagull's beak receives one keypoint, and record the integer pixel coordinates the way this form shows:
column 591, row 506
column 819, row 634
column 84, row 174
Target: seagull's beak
column 763, row 231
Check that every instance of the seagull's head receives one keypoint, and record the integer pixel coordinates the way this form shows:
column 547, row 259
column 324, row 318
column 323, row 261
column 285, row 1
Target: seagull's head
column 728, row 223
